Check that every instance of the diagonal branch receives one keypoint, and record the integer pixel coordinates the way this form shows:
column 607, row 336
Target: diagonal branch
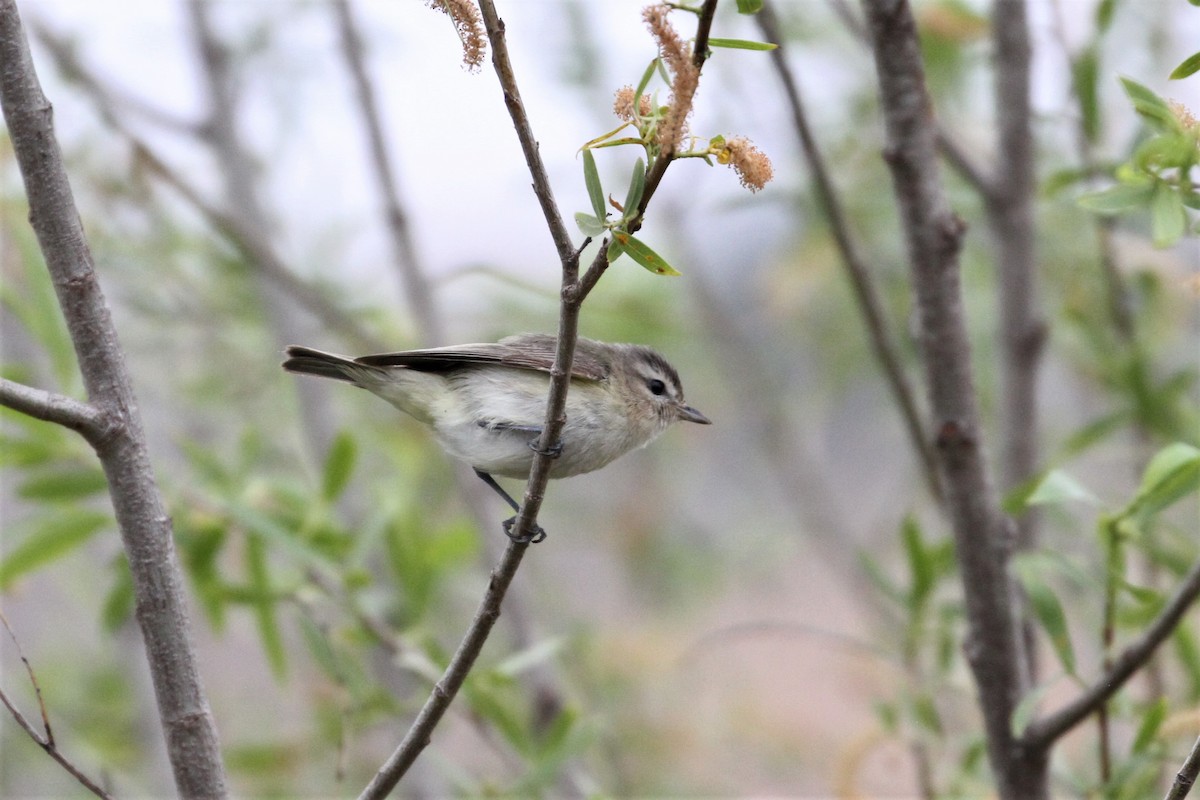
column 44, row 740
column 1043, row 732
column 574, row 291
column 412, row 277
column 1186, row 777
column 869, row 305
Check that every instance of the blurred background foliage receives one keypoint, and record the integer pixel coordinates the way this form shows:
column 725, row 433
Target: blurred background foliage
column 769, row 606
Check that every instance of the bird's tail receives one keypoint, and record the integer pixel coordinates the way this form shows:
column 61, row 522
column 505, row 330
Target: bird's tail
column 307, row 361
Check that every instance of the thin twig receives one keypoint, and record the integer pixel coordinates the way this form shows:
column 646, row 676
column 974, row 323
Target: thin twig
column 934, row 235
column 231, row 226
column 185, row 718
column 1043, row 732
column 44, row 740
column 1186, row 777
column 574, row 291
column 412, row 276
column 879, row 335
column 84, row 418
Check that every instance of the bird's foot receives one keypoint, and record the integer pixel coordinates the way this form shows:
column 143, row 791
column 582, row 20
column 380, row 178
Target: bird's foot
column 553, row 451
column 533, row 537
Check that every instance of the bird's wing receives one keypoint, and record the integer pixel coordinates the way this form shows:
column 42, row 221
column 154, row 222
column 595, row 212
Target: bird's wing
column 527, row 351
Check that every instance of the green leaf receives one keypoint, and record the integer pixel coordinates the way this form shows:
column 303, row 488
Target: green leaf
column 1173, row 473
column 1121, row 197
column 1048, row 610
column 1148, row 104
column 640, row 252
column 1025, row 711
column 1058, row 487
column 920, row 565
column 1151, row 722
column 749, row 6
column 58, row 536
column 1085, row 75
column 263, row 599
column 524, row 660
column 591, row 178
column 588, row 225
column 637, row 186
column 339, row 466
column 1104, row 15
column 64, row 485
column 741, row 44
column 1188, row 66
column 655, row 65
column 118, row 603
column 320, row 648
column 1168, row 220
column 925, row 713
column 615, row 250
column 1187, row 651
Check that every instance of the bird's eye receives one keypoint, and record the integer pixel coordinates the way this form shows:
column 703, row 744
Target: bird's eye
column 656, row 386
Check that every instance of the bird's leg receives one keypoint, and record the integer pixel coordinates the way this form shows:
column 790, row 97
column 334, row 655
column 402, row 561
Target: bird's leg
column 553, row 451
column 536, row 535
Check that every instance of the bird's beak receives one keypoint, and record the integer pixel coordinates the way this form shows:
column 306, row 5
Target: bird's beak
column 692, row 415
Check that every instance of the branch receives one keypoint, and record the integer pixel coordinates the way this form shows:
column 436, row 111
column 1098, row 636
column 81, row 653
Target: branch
column 962, row 163
column 233, row 227
column 46, row 740
column 1186, row 776
column 187, row 723
column 83, row 418
column 416, row 287
column 574, row 291
column 934, row 236
column 1010, row 217
column 1043, row 732
column 869, row 305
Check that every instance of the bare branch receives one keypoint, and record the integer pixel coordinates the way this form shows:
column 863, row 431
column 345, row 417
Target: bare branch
column 1186, row 777
column 934, row 234
column 574, row 290
column 416, row 287
column 869, row 305
column 84, row 418
column 46, row 740
column 145, row 527
column 1043, row 732
column 233, row 227
column 963, row 164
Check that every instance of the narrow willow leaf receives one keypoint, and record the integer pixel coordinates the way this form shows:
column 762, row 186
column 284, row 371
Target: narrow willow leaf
column 637, row 185
column 530, row 657
column 50, row 541
column 1168, row 220
column 591, row 177
column 1104, row 14
column 1026, row 710
column 1148, row 104
column 1085, row 71
column 741, row 44
column 62, row 485
column 1121, row 197
column 749, row 6
column 615, row 250
column 640, row 252
column 1172, row 473
column 588, row 225
column 644, row 82
column 1148, row 731
column 1189, row 66
column 339, row 466
column 1058, row 487
column 1048, row 610
column 263, row 599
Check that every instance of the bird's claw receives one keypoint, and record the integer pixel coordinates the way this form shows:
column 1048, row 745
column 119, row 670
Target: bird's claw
column 533, row 537
column 553, row 451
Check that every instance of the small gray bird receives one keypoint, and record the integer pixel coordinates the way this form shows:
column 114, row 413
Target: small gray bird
column 486, row 402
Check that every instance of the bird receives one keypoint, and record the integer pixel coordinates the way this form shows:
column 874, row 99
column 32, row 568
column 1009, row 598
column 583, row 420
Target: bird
column 486, row 402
